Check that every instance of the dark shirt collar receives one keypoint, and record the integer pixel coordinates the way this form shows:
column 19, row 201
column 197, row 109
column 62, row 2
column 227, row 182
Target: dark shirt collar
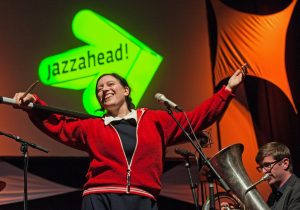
column 277, row 193
column 287, row 183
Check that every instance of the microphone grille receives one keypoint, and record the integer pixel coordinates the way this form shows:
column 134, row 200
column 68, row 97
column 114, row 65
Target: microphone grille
column 158, row 96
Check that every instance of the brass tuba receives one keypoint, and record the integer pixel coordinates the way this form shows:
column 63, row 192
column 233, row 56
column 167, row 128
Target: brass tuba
column 228, row 163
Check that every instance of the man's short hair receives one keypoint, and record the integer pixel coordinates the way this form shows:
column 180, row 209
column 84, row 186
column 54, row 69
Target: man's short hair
column 275, row 149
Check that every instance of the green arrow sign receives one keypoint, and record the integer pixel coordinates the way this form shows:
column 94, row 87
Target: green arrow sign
column 110, row 49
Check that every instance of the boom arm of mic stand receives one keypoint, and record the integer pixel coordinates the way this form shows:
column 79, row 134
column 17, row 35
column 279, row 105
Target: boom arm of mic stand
column 199, row 150
column 23, row 142
column 49, row 109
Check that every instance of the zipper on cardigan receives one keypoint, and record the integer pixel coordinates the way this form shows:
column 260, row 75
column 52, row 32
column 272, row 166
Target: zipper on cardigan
column 128, row 180
column 129, row 164
column 128, row 176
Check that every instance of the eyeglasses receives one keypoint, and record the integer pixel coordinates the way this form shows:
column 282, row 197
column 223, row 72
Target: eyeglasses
column 267, row 166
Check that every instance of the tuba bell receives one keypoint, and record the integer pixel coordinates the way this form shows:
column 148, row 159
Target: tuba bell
column 228, row 163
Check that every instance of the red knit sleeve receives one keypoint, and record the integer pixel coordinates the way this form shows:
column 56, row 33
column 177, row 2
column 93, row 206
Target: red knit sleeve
column 70, row 131
column 200, row 118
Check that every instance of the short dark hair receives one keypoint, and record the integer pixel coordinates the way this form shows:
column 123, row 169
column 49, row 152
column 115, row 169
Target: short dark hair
column 275, row 149
column 124, row 83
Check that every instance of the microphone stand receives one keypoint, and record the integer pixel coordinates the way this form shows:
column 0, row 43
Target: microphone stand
column 192, row 185
column 211, row 191
column 186, row 154
column 199, row 150
column 24, row 150
column 201, row 183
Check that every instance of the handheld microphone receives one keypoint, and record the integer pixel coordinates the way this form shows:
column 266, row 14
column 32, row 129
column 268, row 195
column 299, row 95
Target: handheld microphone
column 184, row 153
column 264, row 178
column 161, row 98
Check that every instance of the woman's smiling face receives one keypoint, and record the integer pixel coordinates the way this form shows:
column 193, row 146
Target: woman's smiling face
column 111, row 94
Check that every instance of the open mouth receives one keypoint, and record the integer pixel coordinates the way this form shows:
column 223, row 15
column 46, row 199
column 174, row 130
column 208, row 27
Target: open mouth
column 107, row 97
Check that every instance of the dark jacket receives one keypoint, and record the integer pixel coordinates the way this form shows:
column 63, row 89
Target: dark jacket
column 287, row 198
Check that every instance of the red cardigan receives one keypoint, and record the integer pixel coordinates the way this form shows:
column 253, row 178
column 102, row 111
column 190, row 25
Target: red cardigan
column 109, row 171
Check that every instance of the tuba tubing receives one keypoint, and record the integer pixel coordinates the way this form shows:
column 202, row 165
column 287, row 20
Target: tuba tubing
column 228, row 163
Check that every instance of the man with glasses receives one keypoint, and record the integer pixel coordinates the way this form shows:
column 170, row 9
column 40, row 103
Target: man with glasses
column 275, row 159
